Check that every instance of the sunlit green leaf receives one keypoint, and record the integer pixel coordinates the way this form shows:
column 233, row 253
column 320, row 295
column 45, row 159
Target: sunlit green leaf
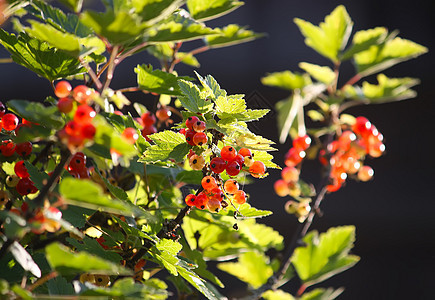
column 37, row 113
column 325, row 255
column 191, row 99
column 152, row 11
column 231, row 35
column 286, row 80
column 210, row 9
column 277, row 295
column 252, row 268
column 331, row 35
column 168, row 145
column 364, row 39
column 322, row 294
column 322, row 74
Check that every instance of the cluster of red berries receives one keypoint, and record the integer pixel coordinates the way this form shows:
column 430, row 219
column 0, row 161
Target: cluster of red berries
column 195, row 132
column 80, row 129
column 288, row 184
column 77, row 166
column 349, row 150
column 212, row 197
column 147, row 121
column 296, row 154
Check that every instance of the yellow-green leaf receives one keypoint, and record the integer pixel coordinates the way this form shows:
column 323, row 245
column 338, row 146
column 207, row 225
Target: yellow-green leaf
column 322, row 74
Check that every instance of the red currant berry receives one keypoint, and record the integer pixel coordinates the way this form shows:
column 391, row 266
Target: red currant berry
column 218, row 165
column 21, row 170
column 189, row 137
column 201, row 200
column 7, row 148
column 231, row 186
column 73, row 128
column 130, row 135
column 199, row 126
column 190, row 200
column 147, row 130
column 183, row 131
column 63, row 89
column 163, row 114
column 362, row 126
column 228, row 153
column 217, row 193
column 148, row 119
column 25, row 186
column 2, row 109
column 84, row 114
column 199, row 139
column 65, row 105
column 240, row 197
column 88, row 131
column 365, row 173
column 190, row 121
column 302, row 142
column 257, row 169
column 294, row 156
column 213, row 204
column 233, row 168
column 81, row 94
column 240, row 159
column 208, row 183
column 78, row 162
column 9, row 121
column 290, row 174
column 196, row 162
column 245, row 152
column 281, row 188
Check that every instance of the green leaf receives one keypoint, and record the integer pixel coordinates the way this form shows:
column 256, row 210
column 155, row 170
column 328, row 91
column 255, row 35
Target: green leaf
column 75, row 5
column 39, row 57
column 168, row 145
column 115, row 190
column 391, row 52
column 190, row 177
column 252, row 268
column 170, row 246
column 66, row 262
column 286, row 80
column 157, row 81
column 330, row 36
column 37, row 113
column 192, row 99
column 245, row 211
column 178, row 27
column 322, row 74
column 87, row 194
column 322, row 294
column 198, row 283
column 266, row 158
column 364, row 39
column 231, row 35
column 277, row 295
column 387, row 89
column 118, row 28
column 325, row 255
column 153, row 289
column 211, row 86
column 210, row 9
column 230, row 107
column 36, row 176
column 91, row 246
column 153, row 11
column 59, row 286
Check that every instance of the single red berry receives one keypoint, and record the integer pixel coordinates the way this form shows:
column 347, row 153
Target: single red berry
column 147, row 130
column 26, row 186
column 190, row 121
column 9, row 121
column 233, row 168
column 231, row 186
column 218, row 165
column 240, row 197
column 365, row 173
column 21, row 170
column 84, row 114
column 63, row 89
column 65, row 105
column 281, row 188
column 245, row 152
column 294, row 156
column 208, row 183
column 302, row 142
column 199, row 126
column 78, row 161
column 163, row 114
column 190, row 200
column 201, row 200
column 88, row 131
column 73, row 128
column 290, row 174
column 213, row 204
column 81, row 94
column 53, row 213
column 7, row 148
column 183, row 131
column 199, row 139
column 189, row 137
column 148, row 119
column 240, row 159
column 2, row 109
column 130, row 135
column 257, row 169
column 217, row 193
column 362, row 126
column 24, row 149
column 228, row 153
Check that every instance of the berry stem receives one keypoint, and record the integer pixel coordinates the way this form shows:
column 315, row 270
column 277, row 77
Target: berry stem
column 111, row 67
column 91, row 73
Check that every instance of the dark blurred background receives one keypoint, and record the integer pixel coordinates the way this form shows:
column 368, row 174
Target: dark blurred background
column 394, row 214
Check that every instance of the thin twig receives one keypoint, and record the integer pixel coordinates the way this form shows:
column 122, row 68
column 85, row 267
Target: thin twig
column 193, row 52
column 111, row 67
column 130, row 52
column 91, row 73
column 42, row 280
column 351, row 81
